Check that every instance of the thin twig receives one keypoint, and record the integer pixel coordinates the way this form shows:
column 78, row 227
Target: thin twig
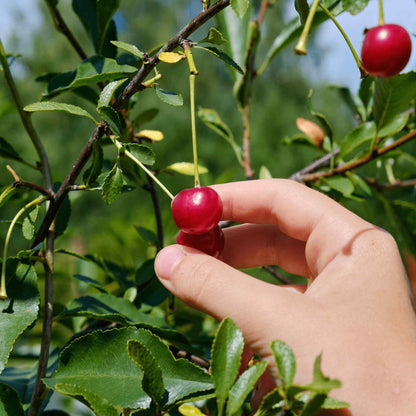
column 395, row 185
column 276, row 274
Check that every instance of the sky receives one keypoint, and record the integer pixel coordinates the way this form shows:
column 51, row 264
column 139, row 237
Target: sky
column 337, row 65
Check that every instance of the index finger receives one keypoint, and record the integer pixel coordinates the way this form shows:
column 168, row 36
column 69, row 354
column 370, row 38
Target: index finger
column 300, row 212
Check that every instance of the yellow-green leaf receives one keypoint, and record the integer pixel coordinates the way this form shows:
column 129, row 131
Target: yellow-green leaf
column 190, row 410
column 171, row 57
column 186, row 168
column 154, row 135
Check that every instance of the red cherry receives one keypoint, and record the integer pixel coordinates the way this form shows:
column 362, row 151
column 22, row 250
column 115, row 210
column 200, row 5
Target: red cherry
column 386, row 50
column 211, row 242
column 197, row 210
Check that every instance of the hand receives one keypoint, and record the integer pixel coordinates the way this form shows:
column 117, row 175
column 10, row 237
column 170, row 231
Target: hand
column 356, row 309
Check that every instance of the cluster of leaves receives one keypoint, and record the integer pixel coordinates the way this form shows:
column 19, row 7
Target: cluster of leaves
column 119, row 359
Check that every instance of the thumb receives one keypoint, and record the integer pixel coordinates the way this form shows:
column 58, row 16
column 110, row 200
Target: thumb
column 209, row 285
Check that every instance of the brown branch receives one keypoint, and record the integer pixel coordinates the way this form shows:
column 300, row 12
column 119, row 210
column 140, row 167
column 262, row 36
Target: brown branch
column 359, row 162
column 59, row 196
column 395, row 185
column 64, row 29
column 136, row 83
column 260, row 17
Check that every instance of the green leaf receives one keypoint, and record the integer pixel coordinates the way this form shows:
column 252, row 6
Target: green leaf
column 142, row 153
column 6, row 194
column 54, row 106
column 91, row 282
column 239, row 7
column 91, row 71
column 285, row 361
column 321, row 118
column 214, row 37
column 302, row 7
column 21, row 308
column 94, row 170
column 243, row 386
column 271, row 404
column 113, row 183
column 354, row 6
column 128, row 48
column 221, row 55
column 313, row 405
column 331, row 403
column 321, row 383
column 7, row 151
column 10, row 404
column 352, row 102
column 366, row 93
column 340, row 184
column 63, row 216
column 111, row 308
column 105, row 13
column 152, row 381
column 112, row 118
column 393, row 96
column 99, row 364
column 186, row 168
column 264, row 173
column 169, row 97
column 225, row 359
column 28, row 227
column 108, row 92
column 145, row 116
column 236, row 31
column 148, row 236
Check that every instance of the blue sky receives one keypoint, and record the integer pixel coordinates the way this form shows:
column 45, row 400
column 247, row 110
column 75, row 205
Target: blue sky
column 337, row 66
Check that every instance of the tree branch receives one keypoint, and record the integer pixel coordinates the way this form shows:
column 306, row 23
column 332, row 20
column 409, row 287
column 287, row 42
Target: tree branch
column 136, row 83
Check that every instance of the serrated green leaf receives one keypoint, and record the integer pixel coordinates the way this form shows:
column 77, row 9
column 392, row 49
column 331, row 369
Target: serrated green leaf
column 321, row 383
column 285, row 361
column 354, row 6
column 142, row 153
column 7, row 151
column 91, row 282
column 340, row 184
column 392, row 96
column 132, row 49
column 331, row 403
column 239, row 7
column 108, row 307
column 243, row 386
column 54, row 106
column 91, row 71
column 221, row 55
column 21, row 308
column 108, row 92
column 99, row 364
column 112, row 185
column 302, row 7
column 225, row 359
column 28, row 226
column 152, row 381
column 148, row 236
column 112, row 118
column 214, row 37
column 186, row 168
column 169, row 97
column 94, row 170
column 105, row 13
column 10, row 404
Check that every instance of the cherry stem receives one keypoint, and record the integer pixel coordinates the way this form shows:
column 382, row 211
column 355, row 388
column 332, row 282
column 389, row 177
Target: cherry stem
column 380, row 13
column 193, row 72
column 37, row 201
column 363, row 72
column 300, row 48
column 148, row 171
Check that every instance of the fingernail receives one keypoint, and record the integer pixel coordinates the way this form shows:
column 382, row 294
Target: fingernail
column 166, row 261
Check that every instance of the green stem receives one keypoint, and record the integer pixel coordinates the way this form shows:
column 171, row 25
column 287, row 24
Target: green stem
column 300, row 48
column 148, row 171
column 363, row 72
column 192, row 75
column 37, row 201
column 27, row 123
column 380, row 13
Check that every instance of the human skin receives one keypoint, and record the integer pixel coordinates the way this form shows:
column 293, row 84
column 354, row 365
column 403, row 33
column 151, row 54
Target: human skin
column 356, row 309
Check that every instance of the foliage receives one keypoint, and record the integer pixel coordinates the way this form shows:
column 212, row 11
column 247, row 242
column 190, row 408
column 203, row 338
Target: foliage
column 120, row 338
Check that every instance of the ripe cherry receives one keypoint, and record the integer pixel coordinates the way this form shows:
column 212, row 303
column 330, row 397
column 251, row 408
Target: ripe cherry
column 197, row 210
column 211, row 242
column 386, row 50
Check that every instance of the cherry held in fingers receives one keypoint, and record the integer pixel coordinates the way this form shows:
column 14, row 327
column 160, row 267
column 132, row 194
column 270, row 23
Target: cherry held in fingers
column 197, row 210
column 386, row 50
column 211, row 242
